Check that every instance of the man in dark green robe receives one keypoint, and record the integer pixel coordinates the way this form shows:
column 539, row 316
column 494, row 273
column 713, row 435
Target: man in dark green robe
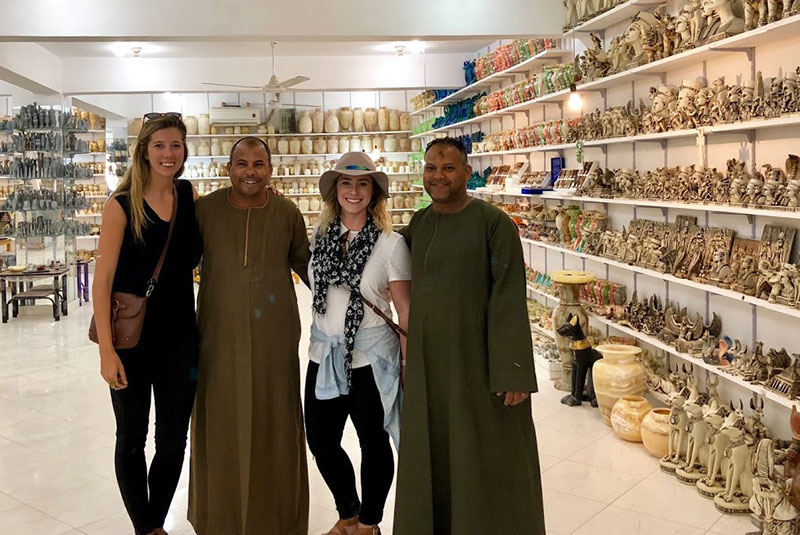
column 468, row 461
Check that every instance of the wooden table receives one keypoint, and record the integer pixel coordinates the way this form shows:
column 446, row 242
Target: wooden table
column 22, row 288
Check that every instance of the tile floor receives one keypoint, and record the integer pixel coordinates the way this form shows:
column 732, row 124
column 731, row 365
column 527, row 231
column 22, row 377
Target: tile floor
column 57, row 478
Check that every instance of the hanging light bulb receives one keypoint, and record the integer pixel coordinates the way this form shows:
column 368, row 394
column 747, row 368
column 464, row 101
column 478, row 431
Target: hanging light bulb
column 575, row 102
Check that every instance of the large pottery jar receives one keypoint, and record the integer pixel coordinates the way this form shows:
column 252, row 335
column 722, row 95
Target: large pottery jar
column 345, row 115
column 405, row 121
column 191, row 125
column 216, row 148
column 619, row 373
column 383, row 119
column 394, row 120
column 203, row 126
column 416, row 145
column 318, row 121
column 227, row 147
column 358, row 120
column 390, row 144
column 333, row 145
column 627, row 415
column 344, row 144
column 283, row 146
column 320, row 145
column 569, row 287
column 294, row 146
column 331, row 123
column 355, row 144
column 304, row 125
column 370, row 120
column 405, row 144
column 655, row 432
column 307, row 146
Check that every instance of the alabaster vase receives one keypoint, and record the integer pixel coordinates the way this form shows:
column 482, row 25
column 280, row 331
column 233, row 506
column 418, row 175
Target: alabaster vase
column 569, row 286
column 358, row 120
column 203, row 124
column 655, row 432
column 627, row 415
column 304, row 125
column 331, row 122
column 318, row 121
column 370, row 120
column 345, row 115
column 619, row 373
column 191, row 125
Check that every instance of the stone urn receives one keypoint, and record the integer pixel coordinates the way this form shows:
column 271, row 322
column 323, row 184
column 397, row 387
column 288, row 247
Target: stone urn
column 619, row 373
column 383, row 119
column 344, row 144
column 304, row 125
column 191, row 148
column 203, row 149
column 355, row 144
column 307, row 146
column 331, row 123
column 394, row 120
column 191, row 125
column 203, row 125
column 655, row 432
column 405, row 144
column 216, row 148
column 272, row 143
column 377, row 143
column 416, row 145
column 227, row 147
column 320, row 145
column 318, row 121
column 569, row 287
column 294, row 146
column 304, row 204
column 627, row 415
column 333, row 145
column 345, row 118
column 283, row 146
column 370, row 120
column 358, row 120
column 405, row 121
column 390, row 144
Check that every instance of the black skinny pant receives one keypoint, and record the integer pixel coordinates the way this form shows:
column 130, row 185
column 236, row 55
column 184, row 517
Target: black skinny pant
column 171, row 374
column 325, row 421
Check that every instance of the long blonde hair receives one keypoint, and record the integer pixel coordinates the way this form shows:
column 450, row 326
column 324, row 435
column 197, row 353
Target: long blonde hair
column 377, row 207
column 137, row 177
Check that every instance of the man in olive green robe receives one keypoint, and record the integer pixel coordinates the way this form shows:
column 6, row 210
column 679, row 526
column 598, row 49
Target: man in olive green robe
column 248, row 464
column 468, row 461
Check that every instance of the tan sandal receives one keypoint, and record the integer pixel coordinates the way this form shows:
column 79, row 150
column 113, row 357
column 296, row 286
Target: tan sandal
column 344, row 527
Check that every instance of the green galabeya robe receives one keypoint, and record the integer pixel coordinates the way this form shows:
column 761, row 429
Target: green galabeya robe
column 248, row 463
column 468, row 464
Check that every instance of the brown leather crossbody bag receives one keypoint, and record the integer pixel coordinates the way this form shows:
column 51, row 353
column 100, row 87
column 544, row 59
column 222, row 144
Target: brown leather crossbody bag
column 127, row 310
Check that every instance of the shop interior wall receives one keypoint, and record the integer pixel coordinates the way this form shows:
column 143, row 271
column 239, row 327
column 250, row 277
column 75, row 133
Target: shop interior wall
column 771, row 147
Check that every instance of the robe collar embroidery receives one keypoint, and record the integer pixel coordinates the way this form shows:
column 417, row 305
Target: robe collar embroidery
column 247, row 224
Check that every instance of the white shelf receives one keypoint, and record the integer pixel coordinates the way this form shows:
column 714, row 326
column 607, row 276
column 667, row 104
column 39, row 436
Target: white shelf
column 89, row 216
column 87, row 237
column 543, row 293
column 730, row 294
column 296, row 134
column 478, row 87
column 613, row 16
column 759, row 389
column 501, row 194
column 717, row 208
column 541, row 330
column 752, row 38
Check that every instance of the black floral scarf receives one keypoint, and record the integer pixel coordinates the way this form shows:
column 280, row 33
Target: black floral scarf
column 332, row 267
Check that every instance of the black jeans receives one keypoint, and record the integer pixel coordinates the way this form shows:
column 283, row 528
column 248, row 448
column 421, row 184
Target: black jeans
column 171, row 374
column 325, row 422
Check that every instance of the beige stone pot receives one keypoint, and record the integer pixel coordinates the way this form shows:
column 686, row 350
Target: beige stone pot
column 191, row 125
column 318, row 121
column 283, row 146
column 619, row 373
column 320, row 145
column 203, row 124
column 294, row 146
column 345, row 118
column 394, row 120
column 344, row 144
column 358, row 120
column 304, row 125
column 333, row 145
column 383, row 119
column 627, row 415
column 307, row 146
column 331, row 122
column 655, row 432
column 370, row 120
column 405, row 121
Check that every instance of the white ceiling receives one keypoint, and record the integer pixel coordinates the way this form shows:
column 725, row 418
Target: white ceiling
column 222, row 49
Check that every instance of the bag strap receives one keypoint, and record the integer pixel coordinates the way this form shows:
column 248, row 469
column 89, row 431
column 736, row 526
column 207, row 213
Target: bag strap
column 151, row 284
column 395, row 327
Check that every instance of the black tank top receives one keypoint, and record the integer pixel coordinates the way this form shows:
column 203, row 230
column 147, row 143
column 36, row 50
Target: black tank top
column 170, row 315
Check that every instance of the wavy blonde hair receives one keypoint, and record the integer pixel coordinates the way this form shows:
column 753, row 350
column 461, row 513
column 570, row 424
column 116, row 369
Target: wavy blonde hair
column 377, row 207
column 137, row 177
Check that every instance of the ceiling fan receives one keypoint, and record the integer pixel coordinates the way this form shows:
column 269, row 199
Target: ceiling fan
column 273, row 86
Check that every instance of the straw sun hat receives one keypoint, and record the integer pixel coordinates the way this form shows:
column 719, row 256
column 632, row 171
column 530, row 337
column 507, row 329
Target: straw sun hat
column 352, row 164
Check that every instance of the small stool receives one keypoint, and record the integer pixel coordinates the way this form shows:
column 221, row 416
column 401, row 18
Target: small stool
column 83, row 280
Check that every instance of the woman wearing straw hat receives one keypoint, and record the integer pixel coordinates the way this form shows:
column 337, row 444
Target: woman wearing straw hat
column 358, row 267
